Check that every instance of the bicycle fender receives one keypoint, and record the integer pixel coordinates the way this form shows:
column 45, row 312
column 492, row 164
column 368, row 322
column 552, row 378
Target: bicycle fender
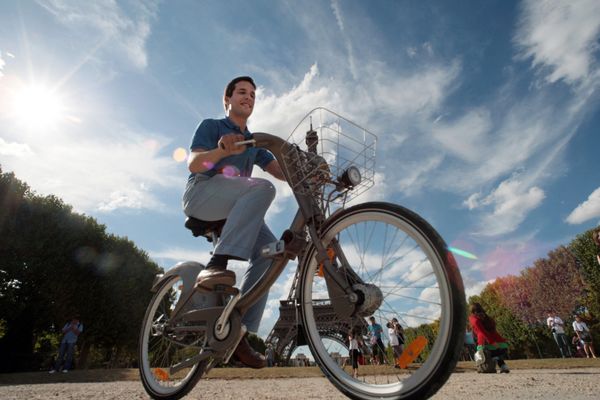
column 187, row 270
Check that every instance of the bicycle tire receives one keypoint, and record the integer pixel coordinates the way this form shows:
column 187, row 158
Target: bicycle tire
column 149, row 381
column 443, row 353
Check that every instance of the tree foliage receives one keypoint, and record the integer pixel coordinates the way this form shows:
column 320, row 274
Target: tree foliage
column 586, row 251
column 55, row 263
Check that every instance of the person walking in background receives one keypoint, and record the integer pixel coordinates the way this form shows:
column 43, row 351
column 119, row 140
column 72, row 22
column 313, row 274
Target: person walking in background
column 354, row 345
column 394, row 342
column 400, row 333
column 469, row 349
column 270, row 355
column 484, row 328
column 583, row 333
column 71, row 332
column 557, row 327
column 375, row 332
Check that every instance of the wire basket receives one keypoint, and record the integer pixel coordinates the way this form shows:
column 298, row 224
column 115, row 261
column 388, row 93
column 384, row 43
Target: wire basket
column 326, row 145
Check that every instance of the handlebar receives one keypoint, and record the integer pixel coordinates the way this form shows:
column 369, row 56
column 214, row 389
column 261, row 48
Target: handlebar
column 247, row 143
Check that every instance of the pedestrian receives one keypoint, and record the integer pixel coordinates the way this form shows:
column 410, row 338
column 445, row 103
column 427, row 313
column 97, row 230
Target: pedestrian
column 375, row 334
column 488, row 338
column 557, row 327
column 71, row 332
column 220, row 187
column 270, row 355
column 354, row 345
column 585, row 336
column 469, row 346
column 394, row 342
column 575, row 341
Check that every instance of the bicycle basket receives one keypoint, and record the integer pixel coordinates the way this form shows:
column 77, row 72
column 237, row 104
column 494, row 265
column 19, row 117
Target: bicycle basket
column 326, row 146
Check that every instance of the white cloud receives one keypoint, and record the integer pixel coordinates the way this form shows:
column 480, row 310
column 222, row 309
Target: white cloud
column 116, row 168
column 560, row 35
column 511, row 201
column 467, row 137
column 2, row 64
column 179, row 254
column 587, row 210
column 14, row 149
column 119, row 30
column 475, row 287
column 337, row 11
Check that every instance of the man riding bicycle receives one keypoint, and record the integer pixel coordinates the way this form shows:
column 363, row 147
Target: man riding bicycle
column 220, row 187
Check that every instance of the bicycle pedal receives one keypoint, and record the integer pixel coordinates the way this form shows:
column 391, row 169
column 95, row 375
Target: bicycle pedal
column 273, row 249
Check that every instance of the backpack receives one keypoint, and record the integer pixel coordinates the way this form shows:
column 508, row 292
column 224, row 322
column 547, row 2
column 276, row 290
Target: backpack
column 485, row 363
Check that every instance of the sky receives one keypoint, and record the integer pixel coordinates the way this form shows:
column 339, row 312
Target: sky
column 486, row 113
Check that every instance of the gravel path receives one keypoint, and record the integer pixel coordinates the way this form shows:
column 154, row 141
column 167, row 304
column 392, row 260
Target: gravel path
column 564, row 384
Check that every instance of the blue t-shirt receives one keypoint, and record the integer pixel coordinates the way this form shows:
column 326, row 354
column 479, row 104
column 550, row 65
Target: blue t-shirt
column 375, row 330
column 71, row 337
column 207, row 137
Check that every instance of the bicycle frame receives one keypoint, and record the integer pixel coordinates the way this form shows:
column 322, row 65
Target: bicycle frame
column 218, row 321
column 308, row 215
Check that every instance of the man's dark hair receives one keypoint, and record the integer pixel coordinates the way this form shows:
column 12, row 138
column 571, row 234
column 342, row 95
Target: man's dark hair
column 231, row 85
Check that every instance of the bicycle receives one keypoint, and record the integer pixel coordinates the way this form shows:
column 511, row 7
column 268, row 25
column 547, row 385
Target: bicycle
column 353, row 262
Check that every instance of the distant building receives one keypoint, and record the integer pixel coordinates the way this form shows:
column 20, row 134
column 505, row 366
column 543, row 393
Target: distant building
column 301, row 360
column 338, row 358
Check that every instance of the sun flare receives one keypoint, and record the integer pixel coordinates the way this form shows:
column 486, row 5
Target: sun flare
column 38, row 107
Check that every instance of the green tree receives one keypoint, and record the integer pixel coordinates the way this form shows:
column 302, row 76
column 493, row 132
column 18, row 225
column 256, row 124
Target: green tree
column 54, row 263
column 585, row 251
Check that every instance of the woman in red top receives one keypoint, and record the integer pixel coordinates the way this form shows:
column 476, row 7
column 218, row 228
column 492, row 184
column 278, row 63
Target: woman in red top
column 484, row 328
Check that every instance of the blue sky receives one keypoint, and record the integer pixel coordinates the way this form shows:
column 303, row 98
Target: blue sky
column 487, row 113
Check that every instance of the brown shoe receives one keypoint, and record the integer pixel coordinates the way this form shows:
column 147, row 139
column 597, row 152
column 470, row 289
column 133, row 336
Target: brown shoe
column 248, row 356
column 209, row 277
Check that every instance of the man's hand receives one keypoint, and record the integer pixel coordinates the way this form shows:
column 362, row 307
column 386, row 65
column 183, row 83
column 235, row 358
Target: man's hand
column 227, row 144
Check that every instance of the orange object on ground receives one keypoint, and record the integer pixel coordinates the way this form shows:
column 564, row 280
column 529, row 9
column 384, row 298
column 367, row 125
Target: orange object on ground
column 161, row 374
column 412, row 351
column 331, row 255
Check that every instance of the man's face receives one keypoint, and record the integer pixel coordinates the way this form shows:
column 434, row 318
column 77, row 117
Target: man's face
column 241, row 102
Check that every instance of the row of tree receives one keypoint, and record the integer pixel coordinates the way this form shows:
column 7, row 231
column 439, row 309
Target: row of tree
column 55, row 263
column 566, row 282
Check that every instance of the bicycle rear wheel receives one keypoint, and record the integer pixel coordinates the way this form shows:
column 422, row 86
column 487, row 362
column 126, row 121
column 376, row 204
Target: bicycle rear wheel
column 162, row 347
column 407, row 269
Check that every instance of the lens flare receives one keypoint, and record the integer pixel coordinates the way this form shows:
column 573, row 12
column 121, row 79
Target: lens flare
column 230, row 171
column 179, row 154
column 462, row 253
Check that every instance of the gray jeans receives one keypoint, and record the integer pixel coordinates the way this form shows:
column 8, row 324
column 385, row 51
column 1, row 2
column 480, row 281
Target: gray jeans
column 563, row 345
column 243, row 202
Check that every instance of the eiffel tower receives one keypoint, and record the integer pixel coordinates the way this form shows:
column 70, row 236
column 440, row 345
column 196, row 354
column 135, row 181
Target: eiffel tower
column 287, row 333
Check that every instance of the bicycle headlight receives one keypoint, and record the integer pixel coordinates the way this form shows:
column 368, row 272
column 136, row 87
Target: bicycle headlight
column 351, row 177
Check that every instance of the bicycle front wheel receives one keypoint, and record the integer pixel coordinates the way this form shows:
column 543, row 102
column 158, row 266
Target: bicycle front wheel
column 162, row 347
column 407, row 273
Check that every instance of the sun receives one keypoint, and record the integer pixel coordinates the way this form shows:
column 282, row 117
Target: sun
column 38, row 107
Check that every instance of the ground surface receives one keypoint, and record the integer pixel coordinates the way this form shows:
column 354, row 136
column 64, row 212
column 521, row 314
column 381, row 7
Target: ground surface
column 577, row 379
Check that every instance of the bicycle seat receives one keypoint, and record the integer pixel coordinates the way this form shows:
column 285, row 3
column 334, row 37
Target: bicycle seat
column 204, row 228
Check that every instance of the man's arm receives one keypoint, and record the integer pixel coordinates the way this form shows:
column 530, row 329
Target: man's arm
column 201, row 160
column 274, row 169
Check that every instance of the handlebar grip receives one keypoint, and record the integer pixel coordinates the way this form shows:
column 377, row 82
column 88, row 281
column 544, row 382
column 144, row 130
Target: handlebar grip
column 247, row 143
